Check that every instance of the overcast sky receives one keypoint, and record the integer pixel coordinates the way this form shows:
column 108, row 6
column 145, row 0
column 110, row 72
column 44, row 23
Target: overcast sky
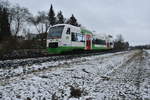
column 131, row 18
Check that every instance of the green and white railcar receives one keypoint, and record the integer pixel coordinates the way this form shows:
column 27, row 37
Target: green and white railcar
column 102, row 42
column 64, row 38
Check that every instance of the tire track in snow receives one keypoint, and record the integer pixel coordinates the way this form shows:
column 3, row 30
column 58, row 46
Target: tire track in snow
column 130, row 76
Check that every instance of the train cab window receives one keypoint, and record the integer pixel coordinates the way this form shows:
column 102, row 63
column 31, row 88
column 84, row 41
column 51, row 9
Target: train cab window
column 68, row 31
column 55, row 32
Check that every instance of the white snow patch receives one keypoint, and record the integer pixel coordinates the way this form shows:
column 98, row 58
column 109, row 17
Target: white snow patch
column 101, row 77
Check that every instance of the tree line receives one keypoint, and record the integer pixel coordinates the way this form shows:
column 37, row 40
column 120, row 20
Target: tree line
column 15, row 20
column 4, row 22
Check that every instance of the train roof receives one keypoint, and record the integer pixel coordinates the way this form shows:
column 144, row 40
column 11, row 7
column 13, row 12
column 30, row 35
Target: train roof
column 86, row 31
column 83, row 30
column 65, row 25
column 103, row 36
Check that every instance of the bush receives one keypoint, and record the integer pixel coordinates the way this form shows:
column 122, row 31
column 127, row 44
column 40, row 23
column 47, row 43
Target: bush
column 75, row 92
column 121, row 45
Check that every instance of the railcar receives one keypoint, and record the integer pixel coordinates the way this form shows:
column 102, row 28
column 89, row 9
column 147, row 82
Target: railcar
column 64, row 38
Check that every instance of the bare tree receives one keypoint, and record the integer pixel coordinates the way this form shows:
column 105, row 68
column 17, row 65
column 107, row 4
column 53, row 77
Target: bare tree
column 42, row 16
column 120, row 44
column 4, row 3
column 119, row 38
column 19, row 16
column 40, row 22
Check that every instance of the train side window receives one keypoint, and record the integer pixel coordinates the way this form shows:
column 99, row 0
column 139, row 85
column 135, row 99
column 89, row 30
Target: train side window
column 79, row 37
column 93, row 41
column 99, row 41
column 68, row 31
column 83, row 38
column 73, row 36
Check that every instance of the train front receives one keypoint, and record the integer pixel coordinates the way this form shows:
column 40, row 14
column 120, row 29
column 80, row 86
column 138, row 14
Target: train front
column 54, row 39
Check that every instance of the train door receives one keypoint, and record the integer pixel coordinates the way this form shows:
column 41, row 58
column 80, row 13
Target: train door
column 107, row 44
column 67, row 37
column 88, row 42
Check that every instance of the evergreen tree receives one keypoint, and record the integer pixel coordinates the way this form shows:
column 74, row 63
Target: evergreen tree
column 51, row 16
column 73, row 21
column 4, row 23
column 60, row 18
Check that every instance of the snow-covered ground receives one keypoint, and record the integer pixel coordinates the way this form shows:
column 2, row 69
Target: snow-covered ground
column 148, row 51
column 116, row 76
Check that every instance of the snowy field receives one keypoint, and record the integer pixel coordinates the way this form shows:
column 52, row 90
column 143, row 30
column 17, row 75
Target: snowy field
column 116, row 76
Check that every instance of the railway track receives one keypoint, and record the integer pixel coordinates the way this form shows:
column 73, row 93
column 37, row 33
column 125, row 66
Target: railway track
column 25, row 54
column 53, row 57
column 19, row 67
